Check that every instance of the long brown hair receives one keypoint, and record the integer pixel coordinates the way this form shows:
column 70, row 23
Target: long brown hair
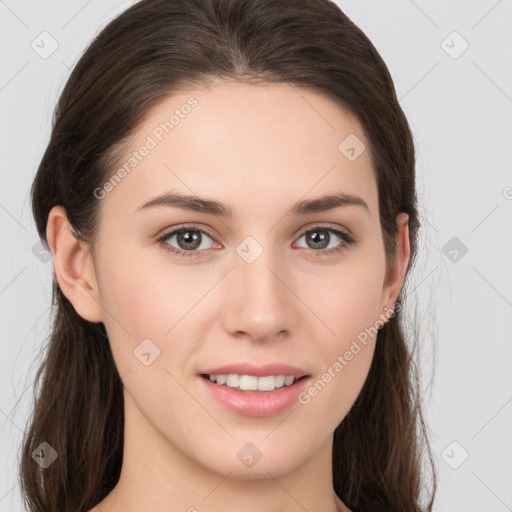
column 151, row 50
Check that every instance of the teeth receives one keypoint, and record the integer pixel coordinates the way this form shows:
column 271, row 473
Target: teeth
column 252, row 383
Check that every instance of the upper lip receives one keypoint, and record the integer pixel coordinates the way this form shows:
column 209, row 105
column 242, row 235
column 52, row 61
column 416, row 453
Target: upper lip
column 257, row 371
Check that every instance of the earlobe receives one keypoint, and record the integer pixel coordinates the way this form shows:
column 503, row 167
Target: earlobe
column 395, row 279
column 73, row 266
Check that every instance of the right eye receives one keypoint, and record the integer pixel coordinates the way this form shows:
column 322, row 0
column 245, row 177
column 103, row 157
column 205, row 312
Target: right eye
column 190, row 241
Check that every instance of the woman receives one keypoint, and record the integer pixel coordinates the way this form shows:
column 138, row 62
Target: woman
column 229, row 199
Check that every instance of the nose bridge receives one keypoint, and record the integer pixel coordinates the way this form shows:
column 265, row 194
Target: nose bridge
column 262, row 305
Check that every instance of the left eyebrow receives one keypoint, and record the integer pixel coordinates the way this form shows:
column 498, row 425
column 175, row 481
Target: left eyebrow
column 209, row 206
column 328, row 202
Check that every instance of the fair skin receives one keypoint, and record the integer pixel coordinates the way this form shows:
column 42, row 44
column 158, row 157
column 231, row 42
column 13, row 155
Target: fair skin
column 259, row 150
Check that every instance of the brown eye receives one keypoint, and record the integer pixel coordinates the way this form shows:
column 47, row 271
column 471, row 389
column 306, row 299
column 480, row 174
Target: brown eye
column 318, row 239
column 322, row 240
column 189, row 241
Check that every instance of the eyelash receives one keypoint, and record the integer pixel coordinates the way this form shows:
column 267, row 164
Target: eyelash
column 347, row 240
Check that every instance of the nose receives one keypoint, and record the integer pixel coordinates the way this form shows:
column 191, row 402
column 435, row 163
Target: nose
column 260, row 304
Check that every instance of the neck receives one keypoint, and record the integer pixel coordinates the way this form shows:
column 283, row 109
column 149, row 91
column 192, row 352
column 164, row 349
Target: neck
column 156, row 475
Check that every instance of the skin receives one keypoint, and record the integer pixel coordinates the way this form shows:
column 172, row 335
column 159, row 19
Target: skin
column 258, row 149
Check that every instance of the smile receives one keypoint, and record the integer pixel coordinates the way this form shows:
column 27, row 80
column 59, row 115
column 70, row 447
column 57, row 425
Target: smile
column 254, row 402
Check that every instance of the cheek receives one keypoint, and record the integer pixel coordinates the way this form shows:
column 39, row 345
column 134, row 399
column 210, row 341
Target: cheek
column 346, row 360
column 149, row 301
column 348, row 309
column 143, row 295
column 347, row 300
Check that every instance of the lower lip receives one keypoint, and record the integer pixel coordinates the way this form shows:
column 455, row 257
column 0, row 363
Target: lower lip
column 256, row 403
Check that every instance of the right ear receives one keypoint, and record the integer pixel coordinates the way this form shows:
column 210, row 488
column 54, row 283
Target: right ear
column 74, row 266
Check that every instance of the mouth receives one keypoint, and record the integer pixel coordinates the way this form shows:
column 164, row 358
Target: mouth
column 254, row 395
column 258, row 384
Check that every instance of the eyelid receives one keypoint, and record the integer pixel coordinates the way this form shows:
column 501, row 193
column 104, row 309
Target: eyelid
column 323, row 225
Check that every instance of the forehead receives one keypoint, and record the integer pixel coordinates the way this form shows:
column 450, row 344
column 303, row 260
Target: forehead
column 237, row 142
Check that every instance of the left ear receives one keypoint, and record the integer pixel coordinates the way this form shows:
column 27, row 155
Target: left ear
column 395, row 279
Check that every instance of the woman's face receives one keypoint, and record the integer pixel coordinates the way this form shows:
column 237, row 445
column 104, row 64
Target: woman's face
column 249, row 288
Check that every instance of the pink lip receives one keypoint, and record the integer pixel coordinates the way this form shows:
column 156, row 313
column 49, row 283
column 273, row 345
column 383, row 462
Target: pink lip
column 257, row 371
column 256, row 403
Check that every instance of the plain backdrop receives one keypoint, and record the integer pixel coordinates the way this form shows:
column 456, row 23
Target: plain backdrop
column 452, row 66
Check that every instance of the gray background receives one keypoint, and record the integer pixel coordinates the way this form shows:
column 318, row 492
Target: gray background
column 459, row 105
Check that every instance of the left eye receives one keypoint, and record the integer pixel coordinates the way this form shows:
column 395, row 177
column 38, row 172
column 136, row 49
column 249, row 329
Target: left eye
column 321, row 236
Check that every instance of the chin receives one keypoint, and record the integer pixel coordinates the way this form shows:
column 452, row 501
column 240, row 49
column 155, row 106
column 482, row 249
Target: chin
column 242, row 467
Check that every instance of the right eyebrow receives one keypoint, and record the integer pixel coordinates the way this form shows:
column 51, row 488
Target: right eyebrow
column 188, row 202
